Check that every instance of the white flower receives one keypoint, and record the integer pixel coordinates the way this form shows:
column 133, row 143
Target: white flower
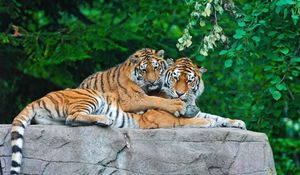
column 223, row 38
column 203, row 52
column 188, row 43
column 180, row 40
column 207, row 10
column 217, row 28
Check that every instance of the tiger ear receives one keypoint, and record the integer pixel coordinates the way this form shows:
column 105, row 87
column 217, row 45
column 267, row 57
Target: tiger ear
column 202, row 70
column 160, row 53
column 133, row 58
column 170, row 61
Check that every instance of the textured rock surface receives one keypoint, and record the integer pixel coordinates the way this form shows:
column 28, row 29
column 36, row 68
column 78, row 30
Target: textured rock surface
column 95, row 150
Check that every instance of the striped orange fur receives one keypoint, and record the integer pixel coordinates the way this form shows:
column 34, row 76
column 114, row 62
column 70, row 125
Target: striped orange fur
column 183, row 80
column 86, row 107
column 132, row 80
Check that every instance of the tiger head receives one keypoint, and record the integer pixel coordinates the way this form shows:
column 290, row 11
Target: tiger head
column 148, row 68
column 183, row 80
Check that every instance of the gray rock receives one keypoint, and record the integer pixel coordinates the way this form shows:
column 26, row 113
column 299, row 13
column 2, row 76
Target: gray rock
column 56, row 150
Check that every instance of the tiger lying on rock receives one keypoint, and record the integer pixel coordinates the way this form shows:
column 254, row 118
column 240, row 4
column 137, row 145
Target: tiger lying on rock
column 121, row 88
column 183, row 80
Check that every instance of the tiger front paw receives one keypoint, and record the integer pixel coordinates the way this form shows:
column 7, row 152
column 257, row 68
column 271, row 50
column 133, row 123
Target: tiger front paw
column 237, row 124
column 191, row 111
column 175, row 105
column 105, row 122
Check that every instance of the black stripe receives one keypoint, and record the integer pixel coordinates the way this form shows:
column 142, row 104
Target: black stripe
column 45, row 107
column 58, row 95
column 122, row 125
column 15, row 164
column 32, row 108
column 136, row 91
column 55, row 102
column 13, row 172
column 84, row 94
column 79, row 110
column 108, row 79
column 19, row 124
column 82, row 107
column 117, row 113
column 107, row 110
column 88, row 103
column 119, row 84
column 95, row 95
column 16, row 149
column 102, row 84
column 16, row 135
column 114, row 73
column 96, row 81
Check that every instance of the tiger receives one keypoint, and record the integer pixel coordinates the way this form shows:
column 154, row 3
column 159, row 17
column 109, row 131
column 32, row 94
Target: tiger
column 128, row 82
column 131, row 81
column 183, row 80
column 77, row 107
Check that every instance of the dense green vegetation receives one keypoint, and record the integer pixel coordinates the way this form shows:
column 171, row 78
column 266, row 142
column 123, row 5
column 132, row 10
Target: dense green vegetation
column 253, row 65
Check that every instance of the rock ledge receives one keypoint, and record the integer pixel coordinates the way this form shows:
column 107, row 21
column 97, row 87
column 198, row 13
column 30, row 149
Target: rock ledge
column 95, row 150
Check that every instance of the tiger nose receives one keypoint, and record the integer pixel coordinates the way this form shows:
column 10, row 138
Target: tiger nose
column 151, row 81
column 179, row 93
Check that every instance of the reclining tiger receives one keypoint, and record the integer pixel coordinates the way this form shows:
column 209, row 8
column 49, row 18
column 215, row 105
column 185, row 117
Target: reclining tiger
column 121, row 88
column 183, row 80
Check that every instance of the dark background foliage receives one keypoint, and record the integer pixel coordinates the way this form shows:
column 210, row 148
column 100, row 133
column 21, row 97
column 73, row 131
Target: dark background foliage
column 51, row 45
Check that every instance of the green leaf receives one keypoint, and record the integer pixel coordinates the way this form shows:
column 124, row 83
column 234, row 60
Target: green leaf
column 285, row 2
column 239, row 47
column 284, row 50
column 277, row 58
column 295, row 19
column 241, row 24
column 239, row 33
column 228, row 63
column 223, row 52
column 295, row 59
column 276, row 79
column 256, row 39
column 281, row 87
column 267, row 68
column 295, row 73
column 200, row 58
column 285, row 13
column 276, row 95
column 272, row 33
column 265, row 10
column 281, row 36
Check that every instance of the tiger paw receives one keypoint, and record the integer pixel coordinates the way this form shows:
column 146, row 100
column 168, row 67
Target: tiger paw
column 105, row 122
column 175, row 105
column 191, row 111
column 177, row 114
column 237, row 124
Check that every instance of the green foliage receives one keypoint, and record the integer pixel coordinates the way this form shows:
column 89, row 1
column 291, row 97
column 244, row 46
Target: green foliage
column 253, row 73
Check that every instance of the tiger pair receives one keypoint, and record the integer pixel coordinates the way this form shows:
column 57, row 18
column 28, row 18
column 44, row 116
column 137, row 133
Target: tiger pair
column 112, row 97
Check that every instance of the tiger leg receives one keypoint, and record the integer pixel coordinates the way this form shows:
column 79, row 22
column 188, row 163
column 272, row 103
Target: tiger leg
column 142, row 103
column 223, row 122
column 162, row 119
column 78, row 119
